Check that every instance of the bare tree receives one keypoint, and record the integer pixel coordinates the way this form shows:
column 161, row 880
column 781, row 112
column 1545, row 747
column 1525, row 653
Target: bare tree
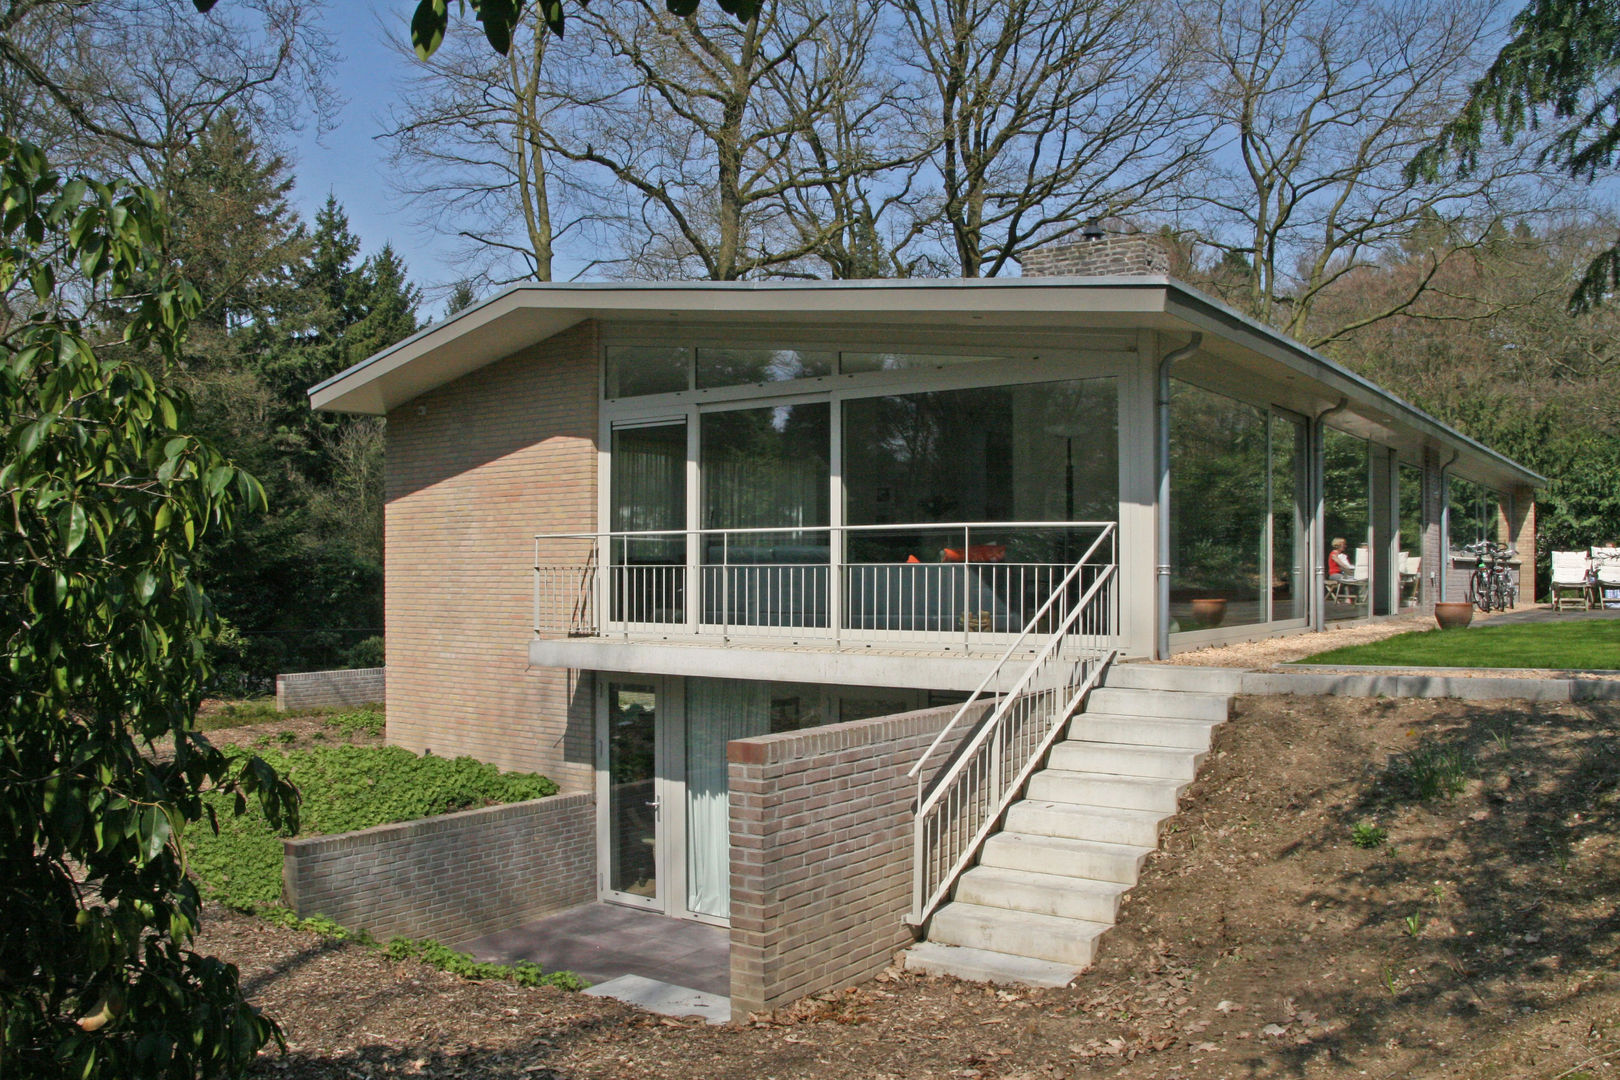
column 471, row 149
column 1043, row 114
column 695, row 143
column 130, row 83
column 1318, row 105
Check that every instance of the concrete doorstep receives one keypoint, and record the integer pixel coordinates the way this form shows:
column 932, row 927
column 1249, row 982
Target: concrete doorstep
column 664, row 998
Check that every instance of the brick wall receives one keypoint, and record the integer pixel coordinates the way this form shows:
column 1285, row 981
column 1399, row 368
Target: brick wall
column 1433, row 551
column 1518, row 528
column 1109, row 254
column 475, row 469
column 821, row 853
column 453, row 877
column 324, row 689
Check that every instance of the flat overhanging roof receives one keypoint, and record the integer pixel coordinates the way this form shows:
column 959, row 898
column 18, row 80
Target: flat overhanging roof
column 530, row 313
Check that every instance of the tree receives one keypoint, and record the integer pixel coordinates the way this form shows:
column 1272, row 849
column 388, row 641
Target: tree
column 1562, row 66
column 1044, row 114
column 106, row 498
column 1317, row 108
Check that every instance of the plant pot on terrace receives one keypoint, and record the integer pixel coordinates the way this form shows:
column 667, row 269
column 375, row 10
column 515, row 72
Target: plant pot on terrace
column 1208, row 612
column 1453, row 614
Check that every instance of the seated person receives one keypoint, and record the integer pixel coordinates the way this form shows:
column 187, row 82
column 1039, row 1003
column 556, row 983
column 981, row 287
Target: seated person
column 1338, row 563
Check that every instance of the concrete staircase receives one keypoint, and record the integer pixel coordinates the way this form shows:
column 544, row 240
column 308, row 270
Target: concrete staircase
column 1048, row 885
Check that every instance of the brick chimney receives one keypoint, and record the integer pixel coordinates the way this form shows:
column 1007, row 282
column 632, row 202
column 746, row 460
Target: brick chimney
column 1098, row 253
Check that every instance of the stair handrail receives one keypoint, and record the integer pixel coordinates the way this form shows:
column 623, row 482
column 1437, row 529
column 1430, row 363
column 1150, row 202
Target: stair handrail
column 981, row 797
column 995, row 672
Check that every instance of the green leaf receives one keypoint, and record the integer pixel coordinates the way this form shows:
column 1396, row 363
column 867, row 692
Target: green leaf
column 78, row 524
column 428, row 26
column 152, row 831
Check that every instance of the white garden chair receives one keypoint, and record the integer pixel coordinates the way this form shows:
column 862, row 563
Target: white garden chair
column 1606, row 576
column 1571, row 580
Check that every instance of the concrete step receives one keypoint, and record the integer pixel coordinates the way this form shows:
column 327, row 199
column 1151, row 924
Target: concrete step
column 1106, row 789
column 1099, row 726
column 1041, row 894
column 1021, row 933
column 1211, row 680
column 1180, row 704
column 1126, row 759
column 1073, row 821
column 981, row 965
column 1065, row 857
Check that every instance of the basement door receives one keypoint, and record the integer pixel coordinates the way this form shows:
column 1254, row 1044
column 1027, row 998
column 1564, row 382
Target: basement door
column 663, row 811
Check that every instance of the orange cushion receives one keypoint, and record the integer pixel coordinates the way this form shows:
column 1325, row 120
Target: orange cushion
column 978, row 553
column 912, row 559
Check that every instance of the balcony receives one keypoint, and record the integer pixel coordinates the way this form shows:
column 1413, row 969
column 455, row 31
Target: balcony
column 961, row 589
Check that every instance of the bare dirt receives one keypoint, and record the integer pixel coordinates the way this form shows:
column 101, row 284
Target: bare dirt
column 1480, row 941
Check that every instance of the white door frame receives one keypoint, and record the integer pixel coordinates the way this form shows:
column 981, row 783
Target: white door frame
column 669, row 792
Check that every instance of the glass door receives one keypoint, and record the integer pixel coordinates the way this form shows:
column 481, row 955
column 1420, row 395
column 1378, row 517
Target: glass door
column 628, row 793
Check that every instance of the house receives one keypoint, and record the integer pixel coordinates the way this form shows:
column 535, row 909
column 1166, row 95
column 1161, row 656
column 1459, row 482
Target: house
column 629, row 524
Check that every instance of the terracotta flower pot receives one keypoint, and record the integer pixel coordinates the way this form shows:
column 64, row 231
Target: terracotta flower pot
column 1452, row 614
column 1209, row 611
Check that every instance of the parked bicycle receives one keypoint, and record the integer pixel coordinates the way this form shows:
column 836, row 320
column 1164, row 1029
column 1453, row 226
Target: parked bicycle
column 1490, row 586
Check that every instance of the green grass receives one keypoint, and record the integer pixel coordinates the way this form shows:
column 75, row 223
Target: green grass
column 1575, row 645
column 344, row 788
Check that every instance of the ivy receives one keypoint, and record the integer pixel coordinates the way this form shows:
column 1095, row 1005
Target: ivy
column 344, row 788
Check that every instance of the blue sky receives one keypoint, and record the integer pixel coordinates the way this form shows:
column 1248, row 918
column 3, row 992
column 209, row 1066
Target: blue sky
column 348, row 161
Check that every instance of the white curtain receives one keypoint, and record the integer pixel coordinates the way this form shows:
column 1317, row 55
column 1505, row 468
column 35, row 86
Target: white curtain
column 717, row 711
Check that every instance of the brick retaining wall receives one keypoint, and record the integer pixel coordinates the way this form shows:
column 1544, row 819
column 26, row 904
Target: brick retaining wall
column 452, row 877
column 821, row 853
column 324, row 689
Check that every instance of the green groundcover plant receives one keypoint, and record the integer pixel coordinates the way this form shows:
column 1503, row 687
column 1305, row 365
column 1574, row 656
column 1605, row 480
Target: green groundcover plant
column 1576, row 645
column 343, row 788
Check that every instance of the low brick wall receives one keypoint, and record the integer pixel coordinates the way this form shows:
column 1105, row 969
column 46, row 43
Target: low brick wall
column 821, row 853
column 323, row 689
column 453, row 877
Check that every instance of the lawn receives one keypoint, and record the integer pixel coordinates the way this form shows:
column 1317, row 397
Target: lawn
column 1580, row 644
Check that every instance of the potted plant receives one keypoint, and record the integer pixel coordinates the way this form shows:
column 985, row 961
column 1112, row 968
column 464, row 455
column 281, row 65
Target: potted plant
column 1453, row 614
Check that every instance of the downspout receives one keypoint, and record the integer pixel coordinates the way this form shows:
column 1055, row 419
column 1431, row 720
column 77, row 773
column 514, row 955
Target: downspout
column 1162, row 606
column 1443, row 556
column 1319, row 511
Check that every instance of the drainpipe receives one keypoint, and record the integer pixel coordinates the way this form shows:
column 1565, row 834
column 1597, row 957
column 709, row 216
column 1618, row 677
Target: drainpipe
column 1162, row 570
column 1443, row 556
column 1318, row 483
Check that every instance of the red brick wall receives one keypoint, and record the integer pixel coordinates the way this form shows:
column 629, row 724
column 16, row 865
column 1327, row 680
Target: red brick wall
column 475, row 469
column 821, row 836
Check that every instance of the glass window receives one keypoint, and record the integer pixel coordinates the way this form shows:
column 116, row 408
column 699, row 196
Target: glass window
column 1411, row 569
column 1290, row 563
column 766, row 468
column 1473, row 512
column 853, row 362
column 1346, row 521
column 1036, row 452
column 1218, row 519
column 634, row 370
column 739, row 367
column 648, row 495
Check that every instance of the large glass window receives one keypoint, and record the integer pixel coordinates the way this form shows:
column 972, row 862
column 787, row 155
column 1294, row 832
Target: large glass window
column 766, row 469
column 1290, row 570
column 1346, row 504
column 1411, row 569
column 1035, row 452
column 737, row 367
column 1218, row 518
column 648, row 496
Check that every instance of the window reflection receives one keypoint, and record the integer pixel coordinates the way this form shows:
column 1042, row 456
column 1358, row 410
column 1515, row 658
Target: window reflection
column 1411, row 569
column 1345, row 503
column 634, row 370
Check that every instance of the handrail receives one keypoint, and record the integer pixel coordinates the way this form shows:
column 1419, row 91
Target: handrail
column 995, row 672
column 975, row 790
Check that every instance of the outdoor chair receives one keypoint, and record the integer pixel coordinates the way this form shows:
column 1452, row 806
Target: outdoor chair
column 1411, row 570
column 1606, row 576
column 1349, row 587
column 1571, row 580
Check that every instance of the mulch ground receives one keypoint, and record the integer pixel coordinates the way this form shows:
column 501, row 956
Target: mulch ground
column 1480, row 941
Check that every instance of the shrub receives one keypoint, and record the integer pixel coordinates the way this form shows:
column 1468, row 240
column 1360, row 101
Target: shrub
column 367, row 653
column 344, row 788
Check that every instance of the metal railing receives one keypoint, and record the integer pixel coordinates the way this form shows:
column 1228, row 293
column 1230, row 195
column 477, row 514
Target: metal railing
column 959, row 811
column 977, row 583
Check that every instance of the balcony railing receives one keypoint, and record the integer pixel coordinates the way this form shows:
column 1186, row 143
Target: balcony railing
column 975, row 584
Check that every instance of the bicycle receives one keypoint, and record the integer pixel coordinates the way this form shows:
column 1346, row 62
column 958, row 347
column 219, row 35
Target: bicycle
column 1490, row 586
